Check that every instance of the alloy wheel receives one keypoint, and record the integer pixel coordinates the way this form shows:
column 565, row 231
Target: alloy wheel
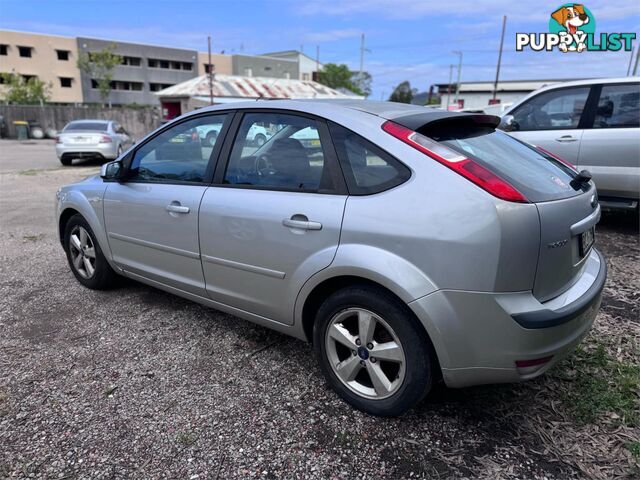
column 365, row 353
column 83, row 253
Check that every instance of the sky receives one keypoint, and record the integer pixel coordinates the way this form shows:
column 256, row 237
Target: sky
column 410, row 40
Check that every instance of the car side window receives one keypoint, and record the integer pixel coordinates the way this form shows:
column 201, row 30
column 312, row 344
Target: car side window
column 179, row 154
column 553, row 110
column 279, row 151
column 367, row 168
column 619, row 106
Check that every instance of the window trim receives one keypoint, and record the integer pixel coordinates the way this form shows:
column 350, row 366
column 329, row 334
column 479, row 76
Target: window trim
column 583, row 115
column 330, row 155
column 597, row 92
column 343, row 162
column 213, row 158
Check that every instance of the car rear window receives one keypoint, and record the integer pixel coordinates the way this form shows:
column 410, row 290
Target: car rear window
column 538, row 176
column 87, row 126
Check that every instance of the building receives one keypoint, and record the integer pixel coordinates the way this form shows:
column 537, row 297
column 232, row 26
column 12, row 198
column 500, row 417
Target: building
column 308, row 67
column 145, row 69
column 477, row 95
column 221, row 63
column 50, row 58
column 263, row 66
column 195, row 93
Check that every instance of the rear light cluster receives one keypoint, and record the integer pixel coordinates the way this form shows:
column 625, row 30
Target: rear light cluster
column 105, row 139
column 476, row 173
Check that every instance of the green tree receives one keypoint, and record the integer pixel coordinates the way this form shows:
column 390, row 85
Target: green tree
column 25, row 92
column 403, row 93
column 99, row 67
column 339, row 76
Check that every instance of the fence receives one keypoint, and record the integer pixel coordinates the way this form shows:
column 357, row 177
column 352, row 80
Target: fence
column 137, row 121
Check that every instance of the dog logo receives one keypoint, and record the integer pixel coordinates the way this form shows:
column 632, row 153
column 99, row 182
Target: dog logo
column 572, row 20
column 572, row 28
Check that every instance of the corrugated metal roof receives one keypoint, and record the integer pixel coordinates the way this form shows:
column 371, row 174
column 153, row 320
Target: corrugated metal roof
column 235, row 86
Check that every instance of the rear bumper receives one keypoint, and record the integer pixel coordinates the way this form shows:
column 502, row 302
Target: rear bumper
column 108, row 151
column 480, row 336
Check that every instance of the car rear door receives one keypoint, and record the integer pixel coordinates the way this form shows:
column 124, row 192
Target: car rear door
column 611, row 142
column 272, row 218
column 151, row 217
column 553, row 120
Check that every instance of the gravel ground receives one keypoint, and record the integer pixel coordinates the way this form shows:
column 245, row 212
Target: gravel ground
column 137, row 383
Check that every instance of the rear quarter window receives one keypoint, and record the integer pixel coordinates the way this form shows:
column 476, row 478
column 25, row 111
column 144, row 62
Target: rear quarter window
column 367, row 168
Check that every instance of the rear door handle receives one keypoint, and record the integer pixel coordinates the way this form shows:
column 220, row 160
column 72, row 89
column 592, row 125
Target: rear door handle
column 175, row 207
column 566, row 139
column 301, row 224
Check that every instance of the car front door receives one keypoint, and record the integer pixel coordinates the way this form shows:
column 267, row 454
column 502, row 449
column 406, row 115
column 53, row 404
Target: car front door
column 610, row 148
column 151, row 217
column 272, row 218
column 552, row 120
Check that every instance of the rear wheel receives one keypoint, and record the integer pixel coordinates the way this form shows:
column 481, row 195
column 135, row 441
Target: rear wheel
column 85, row 256
column 372, row 351
column 211, row 138
column 260, row 139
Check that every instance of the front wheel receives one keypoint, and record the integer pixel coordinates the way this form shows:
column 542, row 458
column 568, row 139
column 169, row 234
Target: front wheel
column 85, row 256
column 373, row 351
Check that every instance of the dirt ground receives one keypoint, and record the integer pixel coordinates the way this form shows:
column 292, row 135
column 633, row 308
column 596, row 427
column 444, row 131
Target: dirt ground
column 137, row 383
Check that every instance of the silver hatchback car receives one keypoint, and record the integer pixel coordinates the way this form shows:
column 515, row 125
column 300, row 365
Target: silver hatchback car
column 409, row 245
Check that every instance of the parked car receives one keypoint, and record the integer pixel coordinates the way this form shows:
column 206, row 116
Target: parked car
column 96, row 139
column 413, row 245
column 595, row 125
column 257, row 135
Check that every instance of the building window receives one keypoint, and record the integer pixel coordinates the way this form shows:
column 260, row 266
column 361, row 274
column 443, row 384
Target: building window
column 156, row 87
column 3, row 49
column 26, row 78
column 209, row 68
column 132, row 61
column 169, row 64
column 25, row 51
column 63, row 55
column 65, row 82
column 121, row 85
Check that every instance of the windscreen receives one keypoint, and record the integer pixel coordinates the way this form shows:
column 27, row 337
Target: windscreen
column 86, row 127
column 538, row 176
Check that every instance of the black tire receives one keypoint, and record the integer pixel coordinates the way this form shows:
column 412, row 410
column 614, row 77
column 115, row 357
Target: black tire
column 260, row 139
column 211, row 139
column 66, row 161
column 103, row 276
column 418, row 350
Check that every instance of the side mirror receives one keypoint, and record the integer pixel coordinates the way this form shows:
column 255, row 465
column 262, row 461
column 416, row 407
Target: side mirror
column 508, row 124
column 112, row 170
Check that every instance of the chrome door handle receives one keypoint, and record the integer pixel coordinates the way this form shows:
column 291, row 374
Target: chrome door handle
column 566, row 139
column 301, row 224
column 175, row 207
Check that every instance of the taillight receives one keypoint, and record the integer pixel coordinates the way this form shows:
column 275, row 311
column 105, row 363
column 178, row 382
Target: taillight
column 561, row 160
column 105, row 139
column 476, row 173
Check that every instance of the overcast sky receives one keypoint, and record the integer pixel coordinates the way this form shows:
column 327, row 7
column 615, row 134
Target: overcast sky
column 408, row 39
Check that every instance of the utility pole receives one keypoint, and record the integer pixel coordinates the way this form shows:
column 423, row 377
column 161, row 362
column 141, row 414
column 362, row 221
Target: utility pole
column 495, row 85
column 630, row 61
column 449, row 86
column 317, row 64
column 635, row 67
column 210, row 71
column 459, row 53
column 362, row 51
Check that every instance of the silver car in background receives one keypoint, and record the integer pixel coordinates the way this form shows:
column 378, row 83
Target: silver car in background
column 593, row 124
column 408, row 244
column 101, row 140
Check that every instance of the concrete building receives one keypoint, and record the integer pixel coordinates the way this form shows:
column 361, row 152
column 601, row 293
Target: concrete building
column 221, row 63
column 194, row 93
column 50, row 58
column 477, row 95
column 262, row 66
column 145, row 69
column 307, row 66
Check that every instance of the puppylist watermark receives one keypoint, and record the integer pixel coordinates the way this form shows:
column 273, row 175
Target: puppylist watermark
column 572, row 28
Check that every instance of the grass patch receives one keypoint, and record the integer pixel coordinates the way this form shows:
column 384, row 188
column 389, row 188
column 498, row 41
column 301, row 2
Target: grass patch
column 30, row 173
column 598, row 384
column 634, row 448
column 186, row 439
column 33, row 238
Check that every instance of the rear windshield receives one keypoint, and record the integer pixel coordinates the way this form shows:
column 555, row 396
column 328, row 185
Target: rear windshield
column 537, row 176
column 86, row 126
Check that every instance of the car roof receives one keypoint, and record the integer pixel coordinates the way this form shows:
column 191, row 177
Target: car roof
column 99, row 120
column 590, row 81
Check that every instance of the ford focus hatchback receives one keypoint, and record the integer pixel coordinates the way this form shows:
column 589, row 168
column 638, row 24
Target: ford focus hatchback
column 408, row 245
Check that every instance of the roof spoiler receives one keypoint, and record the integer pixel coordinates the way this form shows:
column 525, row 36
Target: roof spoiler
column 418, row 121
